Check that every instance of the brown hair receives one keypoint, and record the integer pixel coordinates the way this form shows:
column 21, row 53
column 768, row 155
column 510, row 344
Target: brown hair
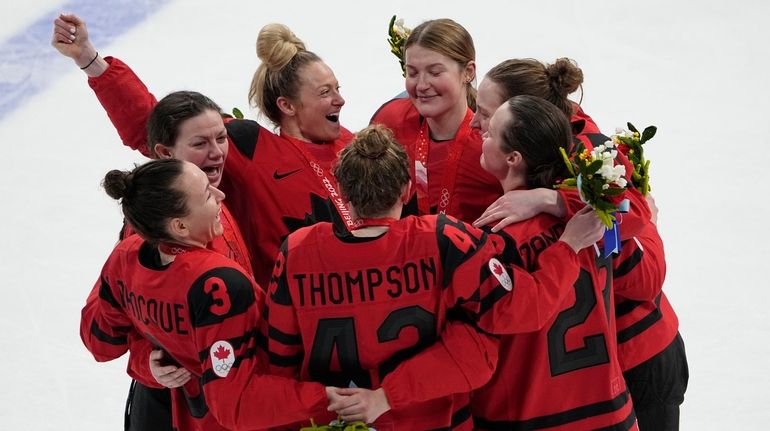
column 372, row 171
column 148, row 196
column 283, row 55
column 552, row 82
column 449, row 38
column 171, row 111
column 537, row 130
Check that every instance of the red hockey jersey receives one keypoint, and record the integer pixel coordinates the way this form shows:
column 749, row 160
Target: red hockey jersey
column 646, row 321
column 203, row 310
column 274, row 184
column 565, row 376
column 347, row 311
column 473, row 189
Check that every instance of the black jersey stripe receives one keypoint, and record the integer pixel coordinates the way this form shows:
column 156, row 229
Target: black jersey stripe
column 107, row 338
column 459, row 417
column 105, row 293
column 562, row 418
column 283, row 337
column 286, row 360
column 625, row 307
column 629, row 264
column 623, row 425
column 642, row 324
column 236, row 342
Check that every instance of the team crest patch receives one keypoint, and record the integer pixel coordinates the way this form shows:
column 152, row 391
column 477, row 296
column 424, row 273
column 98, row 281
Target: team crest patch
column 222, row 358
column 498, row 270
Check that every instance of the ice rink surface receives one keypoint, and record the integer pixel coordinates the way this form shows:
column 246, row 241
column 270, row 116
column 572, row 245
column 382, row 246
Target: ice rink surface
column 697, row 70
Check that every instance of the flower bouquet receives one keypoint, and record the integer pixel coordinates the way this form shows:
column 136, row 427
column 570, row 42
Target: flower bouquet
column 630, row 143
column 600, row 182
column 337, row 425
column 397, row 35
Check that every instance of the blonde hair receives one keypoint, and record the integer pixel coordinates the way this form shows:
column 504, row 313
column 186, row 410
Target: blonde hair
column 283, row 55
column 449, row 38
column 372, row 171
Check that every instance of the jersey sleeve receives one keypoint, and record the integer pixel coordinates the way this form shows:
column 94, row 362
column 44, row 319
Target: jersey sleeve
column 127, row 101
column 225, row 306
column 284, row 339
column 500, row 296
column 640, row 268
column 104, row 326
column 139, row 360
column 462, row 360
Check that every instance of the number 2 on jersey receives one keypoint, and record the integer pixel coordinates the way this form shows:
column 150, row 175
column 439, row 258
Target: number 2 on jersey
column 594, row 350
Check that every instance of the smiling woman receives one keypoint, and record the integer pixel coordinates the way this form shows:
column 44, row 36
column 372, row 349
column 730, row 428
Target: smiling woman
column 433, row 124
column 165, row 285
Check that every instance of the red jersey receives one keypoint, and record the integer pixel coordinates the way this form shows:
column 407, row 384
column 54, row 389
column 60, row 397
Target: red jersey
column 352, row 321
column 203, row 310
column 646, row 321
column 274, row 184
column 565, row 376
column 470, row 189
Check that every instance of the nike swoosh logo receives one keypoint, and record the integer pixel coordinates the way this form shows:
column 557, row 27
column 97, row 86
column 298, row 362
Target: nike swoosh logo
column 278, row 176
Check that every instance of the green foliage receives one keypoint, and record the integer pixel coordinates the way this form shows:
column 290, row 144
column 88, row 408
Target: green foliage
column 336, row 425
column 632, row 147
column 583, row 167
column 397, row 35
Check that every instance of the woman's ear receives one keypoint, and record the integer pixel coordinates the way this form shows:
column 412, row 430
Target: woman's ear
column 286, row 106
column 178, row 229
column 469, row 73
column 405, row 192
column 514, row 159
column 163, row 152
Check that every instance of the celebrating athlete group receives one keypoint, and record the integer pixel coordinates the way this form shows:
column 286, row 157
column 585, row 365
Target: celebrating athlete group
column 454, row 265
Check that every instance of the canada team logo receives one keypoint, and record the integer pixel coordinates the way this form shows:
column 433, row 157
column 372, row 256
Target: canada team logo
column 222, row 358
column 498, row 270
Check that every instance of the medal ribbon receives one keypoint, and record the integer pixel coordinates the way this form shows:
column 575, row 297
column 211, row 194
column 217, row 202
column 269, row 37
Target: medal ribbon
column 449, row 180
column 328, row 182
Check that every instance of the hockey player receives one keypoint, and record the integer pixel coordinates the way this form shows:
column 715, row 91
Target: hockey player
column 348, row 307
column 202, row 308
column 433, row 123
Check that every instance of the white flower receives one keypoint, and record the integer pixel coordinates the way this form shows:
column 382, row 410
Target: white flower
column 605, row 187
column 400, row 29
column 621, row 182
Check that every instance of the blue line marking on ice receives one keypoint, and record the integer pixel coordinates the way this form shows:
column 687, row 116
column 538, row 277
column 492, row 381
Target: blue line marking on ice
column 28, row 62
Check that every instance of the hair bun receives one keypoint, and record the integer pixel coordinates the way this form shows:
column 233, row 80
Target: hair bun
column 277, row 45
column 117, row 183
column 565, row 76
column 372, row 142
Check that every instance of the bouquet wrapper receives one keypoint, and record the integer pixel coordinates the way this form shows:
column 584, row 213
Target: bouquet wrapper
column 612, row 235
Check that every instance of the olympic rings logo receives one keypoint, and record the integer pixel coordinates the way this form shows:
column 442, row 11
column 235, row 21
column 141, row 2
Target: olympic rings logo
column 223, row 368
column 317, row 169
column 444, row 201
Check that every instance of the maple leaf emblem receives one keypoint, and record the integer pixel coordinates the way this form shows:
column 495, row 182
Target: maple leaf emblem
column 497, row 269
column 221, row 353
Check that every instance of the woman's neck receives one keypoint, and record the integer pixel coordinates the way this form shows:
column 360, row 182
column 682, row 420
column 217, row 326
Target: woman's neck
column 512, row 182
column 445, row 126
column 371, row 231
